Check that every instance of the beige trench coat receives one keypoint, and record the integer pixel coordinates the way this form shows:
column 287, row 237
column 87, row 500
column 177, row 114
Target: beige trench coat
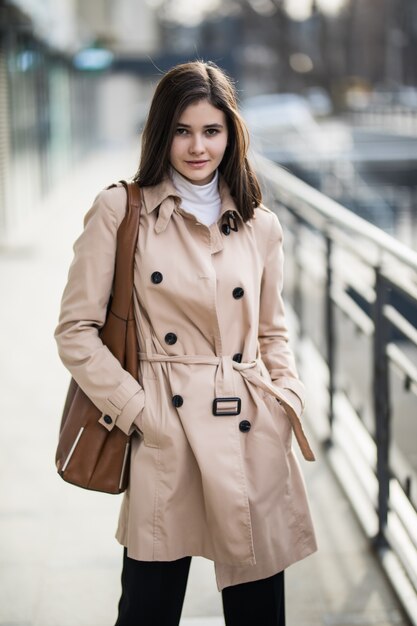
column 210, row 322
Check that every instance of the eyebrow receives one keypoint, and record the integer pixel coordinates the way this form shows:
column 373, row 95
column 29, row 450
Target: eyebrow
column 205, row 125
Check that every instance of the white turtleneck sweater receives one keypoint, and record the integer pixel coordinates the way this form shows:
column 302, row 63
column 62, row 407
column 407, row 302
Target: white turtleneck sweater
column 203, row 201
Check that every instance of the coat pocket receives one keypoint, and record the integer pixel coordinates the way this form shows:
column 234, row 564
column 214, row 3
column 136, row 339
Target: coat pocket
column 281, row 422
column 149, row 422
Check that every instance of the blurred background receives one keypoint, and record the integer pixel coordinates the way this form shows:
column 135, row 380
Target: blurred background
column 328, row 87
column 329, row 91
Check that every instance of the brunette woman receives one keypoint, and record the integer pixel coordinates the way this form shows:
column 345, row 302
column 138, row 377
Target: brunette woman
column 218, row 399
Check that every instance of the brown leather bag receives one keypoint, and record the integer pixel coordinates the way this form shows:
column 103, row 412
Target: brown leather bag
column 88, row 455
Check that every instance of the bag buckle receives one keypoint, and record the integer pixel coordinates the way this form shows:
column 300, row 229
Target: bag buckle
column 231, row 406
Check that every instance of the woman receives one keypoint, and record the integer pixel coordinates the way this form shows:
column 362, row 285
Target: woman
column 212, row 469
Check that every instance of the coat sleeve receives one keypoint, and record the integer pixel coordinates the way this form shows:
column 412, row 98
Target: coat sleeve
column 273, row 331
column 83, row 312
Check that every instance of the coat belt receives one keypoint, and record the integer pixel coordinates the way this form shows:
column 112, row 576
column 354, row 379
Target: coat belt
column 224, row 385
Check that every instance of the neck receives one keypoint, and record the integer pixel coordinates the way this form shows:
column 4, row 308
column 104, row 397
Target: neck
column 187, row 187
column 203, row 201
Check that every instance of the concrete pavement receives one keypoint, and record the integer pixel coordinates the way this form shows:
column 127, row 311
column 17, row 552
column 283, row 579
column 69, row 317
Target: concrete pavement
column 59, row 563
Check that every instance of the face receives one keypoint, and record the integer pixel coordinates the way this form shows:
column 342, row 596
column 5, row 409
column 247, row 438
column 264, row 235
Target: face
column 199, row 142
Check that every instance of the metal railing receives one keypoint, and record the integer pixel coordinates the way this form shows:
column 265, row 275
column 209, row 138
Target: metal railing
column 354, row 291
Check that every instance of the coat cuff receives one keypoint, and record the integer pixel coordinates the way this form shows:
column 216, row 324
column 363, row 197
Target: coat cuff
column 123, row 406
column 294, row 386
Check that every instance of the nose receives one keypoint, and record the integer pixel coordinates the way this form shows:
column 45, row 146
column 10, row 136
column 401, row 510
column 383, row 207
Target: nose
column 197, row 145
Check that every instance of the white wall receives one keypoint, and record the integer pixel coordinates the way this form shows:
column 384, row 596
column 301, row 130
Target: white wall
column 135, row 27
column 130, row 25
column 123, row 104
column 55, row 21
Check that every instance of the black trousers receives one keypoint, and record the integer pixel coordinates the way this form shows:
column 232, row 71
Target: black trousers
column 153, row 595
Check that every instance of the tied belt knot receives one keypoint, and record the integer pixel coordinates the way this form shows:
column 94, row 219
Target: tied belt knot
column 226, row 402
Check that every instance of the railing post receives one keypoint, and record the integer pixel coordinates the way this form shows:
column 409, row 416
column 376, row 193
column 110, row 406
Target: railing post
column 329, row 332
column 298, row 298
column 381, row 405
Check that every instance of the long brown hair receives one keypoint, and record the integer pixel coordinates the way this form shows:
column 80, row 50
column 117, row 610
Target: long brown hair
column 181, row 86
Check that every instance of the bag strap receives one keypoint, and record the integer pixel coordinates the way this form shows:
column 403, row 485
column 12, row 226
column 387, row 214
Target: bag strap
column 127, row 236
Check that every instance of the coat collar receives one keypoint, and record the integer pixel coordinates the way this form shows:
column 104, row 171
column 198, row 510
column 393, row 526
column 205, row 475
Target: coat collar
column 154, row 196
column 165, row 196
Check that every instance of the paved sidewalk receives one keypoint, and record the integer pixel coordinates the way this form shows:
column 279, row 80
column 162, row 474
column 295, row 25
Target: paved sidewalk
column 59, row 563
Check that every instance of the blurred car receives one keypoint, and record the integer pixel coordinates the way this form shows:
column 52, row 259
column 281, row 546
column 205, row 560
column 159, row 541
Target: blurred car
column 402, row 95
column 319, row 101
column 407, row 97
column 283, row 128
column 276, row 111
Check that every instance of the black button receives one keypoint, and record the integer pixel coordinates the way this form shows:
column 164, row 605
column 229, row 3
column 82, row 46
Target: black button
column 108, row 419
column 156, row 278
column 170, row 338
column 244, row 426
column 238, row 292
column 226, row 229
column 237, row 357
column 177, row 401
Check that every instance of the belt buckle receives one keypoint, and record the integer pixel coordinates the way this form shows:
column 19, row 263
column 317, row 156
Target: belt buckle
column 217, row 410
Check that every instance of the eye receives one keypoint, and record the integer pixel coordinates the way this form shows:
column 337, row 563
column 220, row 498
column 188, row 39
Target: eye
column 181, row 131
column 212, row 131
